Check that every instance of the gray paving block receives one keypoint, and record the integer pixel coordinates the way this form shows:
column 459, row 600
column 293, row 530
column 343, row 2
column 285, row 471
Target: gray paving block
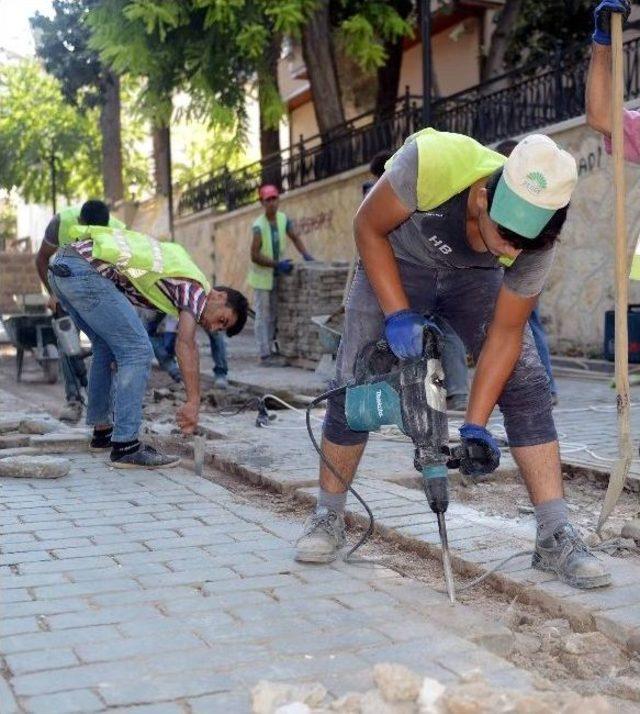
column 79, row 701
column 104, row 616
column 237, row 702
column 15, row 595
column 59, row 638
column 164, row 708
column 94, row 652
column 8, row 703
column 62, row 566
column 44, row 607
column 89, row 587
column 18, row 625
column 38, row 660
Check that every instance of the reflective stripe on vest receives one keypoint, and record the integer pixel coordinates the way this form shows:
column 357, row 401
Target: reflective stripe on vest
column 261, row 276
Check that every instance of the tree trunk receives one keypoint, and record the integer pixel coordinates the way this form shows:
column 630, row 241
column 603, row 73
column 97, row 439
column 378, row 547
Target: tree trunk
column 494, row 63
column 111, row 139
column 319, row 58
column 269, row 135
column 388, row 80
column 161, row 153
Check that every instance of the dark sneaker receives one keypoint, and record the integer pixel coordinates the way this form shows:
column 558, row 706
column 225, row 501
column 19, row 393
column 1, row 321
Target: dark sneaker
column 146, row 457
column 71, row 413
column 566, row 555
column 100, row 441
column 273, row 361
column 323, row 536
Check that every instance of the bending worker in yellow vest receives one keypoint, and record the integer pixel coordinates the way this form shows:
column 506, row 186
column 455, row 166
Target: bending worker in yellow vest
column 98, row 277
column 73, row 369
column 268, row 247
column 431, row 235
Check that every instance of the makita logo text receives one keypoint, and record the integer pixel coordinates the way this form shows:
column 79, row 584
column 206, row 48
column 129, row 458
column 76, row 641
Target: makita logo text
column 440, row 245
column 379, row 403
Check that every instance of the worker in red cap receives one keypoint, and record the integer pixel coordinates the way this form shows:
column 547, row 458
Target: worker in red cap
column 267, row 264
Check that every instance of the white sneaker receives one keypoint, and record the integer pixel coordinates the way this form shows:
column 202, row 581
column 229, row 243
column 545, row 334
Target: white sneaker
column 323, row 536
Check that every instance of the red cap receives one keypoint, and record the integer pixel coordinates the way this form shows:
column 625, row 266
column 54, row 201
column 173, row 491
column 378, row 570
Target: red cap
column 268, row 191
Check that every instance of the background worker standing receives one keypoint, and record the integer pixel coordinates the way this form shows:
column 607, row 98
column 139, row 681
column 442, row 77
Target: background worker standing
column 268, row 247
column 57, row 234
column 99, row 279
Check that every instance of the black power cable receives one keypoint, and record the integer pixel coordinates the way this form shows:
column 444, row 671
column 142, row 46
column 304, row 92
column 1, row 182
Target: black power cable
column 325, row 460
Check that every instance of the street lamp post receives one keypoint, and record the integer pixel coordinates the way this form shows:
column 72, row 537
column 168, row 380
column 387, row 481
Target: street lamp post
column 425, row 31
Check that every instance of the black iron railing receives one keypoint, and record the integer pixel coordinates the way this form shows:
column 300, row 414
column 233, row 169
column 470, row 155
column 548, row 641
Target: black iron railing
column 512, row 104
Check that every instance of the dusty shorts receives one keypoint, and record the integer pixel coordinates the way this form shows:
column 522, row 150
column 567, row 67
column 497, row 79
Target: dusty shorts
column 466, row 299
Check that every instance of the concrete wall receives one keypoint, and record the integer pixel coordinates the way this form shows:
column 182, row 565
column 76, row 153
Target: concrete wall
column 579, row 289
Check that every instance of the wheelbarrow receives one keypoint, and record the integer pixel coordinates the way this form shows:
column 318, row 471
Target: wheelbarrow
column 35, row 334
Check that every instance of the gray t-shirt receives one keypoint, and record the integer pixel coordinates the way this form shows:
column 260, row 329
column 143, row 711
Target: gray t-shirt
column 439, row 237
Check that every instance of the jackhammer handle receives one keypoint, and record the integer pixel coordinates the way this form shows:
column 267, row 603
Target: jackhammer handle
column 457, row 452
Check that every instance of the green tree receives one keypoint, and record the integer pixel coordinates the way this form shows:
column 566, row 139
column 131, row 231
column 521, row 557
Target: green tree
column 62, row 44
column 40, row 130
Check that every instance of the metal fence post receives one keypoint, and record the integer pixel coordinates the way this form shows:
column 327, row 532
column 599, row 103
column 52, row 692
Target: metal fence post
column 559, row 103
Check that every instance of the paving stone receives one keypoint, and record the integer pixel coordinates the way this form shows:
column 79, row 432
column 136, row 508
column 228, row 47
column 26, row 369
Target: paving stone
column 18, row 625
column 103, row 616
column 33, row 467
column 60, row 638
column 226, row 702
column 8, row 703
column 41, row 659
column 95, row 652
column 79, row 701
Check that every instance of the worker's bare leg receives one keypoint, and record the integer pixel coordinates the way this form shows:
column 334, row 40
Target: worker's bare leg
column 345, row 460
column 324, row 529
column 540, row 469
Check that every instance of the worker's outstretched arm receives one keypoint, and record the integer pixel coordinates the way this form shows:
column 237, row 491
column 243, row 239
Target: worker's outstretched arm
column 189, row 362
column 379, row 214
column 598, row 94
column 499, row 354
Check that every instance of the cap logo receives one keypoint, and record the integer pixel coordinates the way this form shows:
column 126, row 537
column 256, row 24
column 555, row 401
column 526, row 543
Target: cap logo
column 535, row 182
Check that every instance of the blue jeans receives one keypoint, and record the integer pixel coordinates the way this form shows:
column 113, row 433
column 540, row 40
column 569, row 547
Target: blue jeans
column 454, row 361
column 218, row 353
column 117, row 336
column 541, row 344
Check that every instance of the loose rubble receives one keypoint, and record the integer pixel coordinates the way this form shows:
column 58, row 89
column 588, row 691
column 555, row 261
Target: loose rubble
column 399, row 690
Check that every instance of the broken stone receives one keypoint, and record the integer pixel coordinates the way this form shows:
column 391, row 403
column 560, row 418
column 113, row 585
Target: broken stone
column 527, row 643
column 631, row 529
column 430, row 695
column 33, row 467
column 373, row 702
column 64, row 442
column 350, row 703
column 267, row 696
column 396, row 682
column 11, row 441
column 10, row 423
column 160, row 394
column 38, row 426
column 584, row 643
column 294, row 708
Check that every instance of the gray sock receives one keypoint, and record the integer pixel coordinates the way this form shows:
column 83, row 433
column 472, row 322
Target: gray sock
column 331, row 501
column 550, row 515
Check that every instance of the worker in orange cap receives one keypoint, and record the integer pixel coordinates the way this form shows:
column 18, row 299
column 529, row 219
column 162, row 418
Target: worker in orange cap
column 267, row 265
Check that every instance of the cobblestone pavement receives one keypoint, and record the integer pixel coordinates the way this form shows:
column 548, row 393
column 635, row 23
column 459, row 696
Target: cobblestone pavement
column 159, row 591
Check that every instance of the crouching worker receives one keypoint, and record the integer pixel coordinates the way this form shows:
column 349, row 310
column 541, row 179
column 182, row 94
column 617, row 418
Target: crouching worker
column 98, row 279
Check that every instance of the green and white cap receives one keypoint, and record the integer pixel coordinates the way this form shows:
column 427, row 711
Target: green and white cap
column 538, row 178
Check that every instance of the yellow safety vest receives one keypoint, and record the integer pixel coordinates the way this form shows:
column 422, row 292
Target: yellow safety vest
column 447, row 164
column 69, row 217
column 260, row 276
column 142, row 260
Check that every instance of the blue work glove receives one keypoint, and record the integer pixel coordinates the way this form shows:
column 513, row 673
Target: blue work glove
column 308, row 257
column 404, row 332
column 602, row 17
column 284, row 267
column 479, row 454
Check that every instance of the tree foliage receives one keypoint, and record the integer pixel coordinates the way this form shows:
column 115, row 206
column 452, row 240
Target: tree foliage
column 36, row 122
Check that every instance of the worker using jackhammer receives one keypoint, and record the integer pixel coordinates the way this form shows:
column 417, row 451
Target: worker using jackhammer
column 430, row 235
column 57, row 233
column 98, row 278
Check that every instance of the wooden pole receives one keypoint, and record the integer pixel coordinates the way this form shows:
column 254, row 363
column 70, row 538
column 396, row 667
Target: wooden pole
column 621, row 468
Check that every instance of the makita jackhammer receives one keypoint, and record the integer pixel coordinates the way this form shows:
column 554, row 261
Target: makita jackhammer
column 411, row 395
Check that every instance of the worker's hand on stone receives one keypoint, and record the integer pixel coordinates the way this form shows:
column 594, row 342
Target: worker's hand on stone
column 404, row 331
column 479, row 454
column 284, row 267
column 187, row 417
column 602, row 17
